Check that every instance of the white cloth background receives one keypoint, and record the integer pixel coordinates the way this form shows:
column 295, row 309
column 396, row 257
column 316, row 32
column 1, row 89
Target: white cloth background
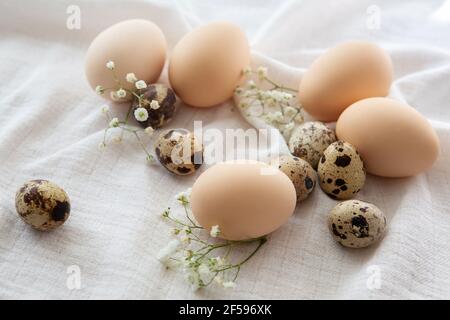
column 50, row 127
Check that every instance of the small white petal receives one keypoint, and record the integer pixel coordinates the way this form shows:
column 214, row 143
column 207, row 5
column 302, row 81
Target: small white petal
column 229, row 284
column 262, row 73
column 154, row 105
column 140, row 84
column 105, row 108
column 165, row 253
column 99, row 90
column 251, row 84
column 215, row 231
column 114, row 123
column 141, row 114
column 102, row 145
column 149, row 131
column 110, row 65
column 247, row 70
column 131, row 77
column 121, row 93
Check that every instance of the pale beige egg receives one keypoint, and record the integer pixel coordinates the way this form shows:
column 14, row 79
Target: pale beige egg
column 206, row 65
column 393, row 139
column 347, row 73
column 135, row 46
column 245, row 199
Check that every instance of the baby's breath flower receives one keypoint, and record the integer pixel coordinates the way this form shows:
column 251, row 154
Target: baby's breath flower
column 204, row 271
column 183, row 197
column 273, row 117
column 99, row 90
column 114, row 123
column 140, row 84
column 149, row 131
column 262, row 73
column 193, row 278
column 141, row 114
column 105, row 109
column 117, row 140
column 251, row 84
column 229, row 284
column 175, row 231
column 243, row 105
column 238, row 91
column 102, row 145
column 185, row 240
column 247, row 70
column 299, row 118
column 154, row 105
column 287, row 96
column 150, row 159
column 121, row 93
column 165, row 213
column 220, row 261
column 113, row 96
column 110, row 65
column 215, row 231
column 290, row 111
column 165, row 253
column 131, row 77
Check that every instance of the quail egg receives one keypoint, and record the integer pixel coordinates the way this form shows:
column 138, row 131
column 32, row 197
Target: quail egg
column 179, row 151
column 309, row 140
column 299, row 172
column 341, row 171
column 159, row 101
column 42, row 204
column 356, row 224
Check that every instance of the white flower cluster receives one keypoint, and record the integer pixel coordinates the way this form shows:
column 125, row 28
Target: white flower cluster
column 120, row 93
column 275, row 104
column 141, row 114
column 196, row 257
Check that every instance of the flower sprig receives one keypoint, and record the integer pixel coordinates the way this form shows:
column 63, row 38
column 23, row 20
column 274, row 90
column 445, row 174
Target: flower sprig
column 120, row 92
column 275, row 103
column 203, row 258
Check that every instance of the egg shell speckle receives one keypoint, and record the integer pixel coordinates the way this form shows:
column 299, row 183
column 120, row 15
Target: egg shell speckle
column 341, row 171
column 42, row 204
column 299, row 172
column 309, row 140
column 166, row 99
column 356, row 224
column 171, row 150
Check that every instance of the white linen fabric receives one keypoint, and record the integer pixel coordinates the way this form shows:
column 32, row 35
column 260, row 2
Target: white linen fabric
column 50, row 127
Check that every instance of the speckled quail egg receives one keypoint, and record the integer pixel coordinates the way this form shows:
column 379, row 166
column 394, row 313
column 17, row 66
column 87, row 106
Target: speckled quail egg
column 159, row 101
column 299, row 172
column 356, row 224
column 309, row 140
column 341, row 171
column 42, row 204
column 179, row 151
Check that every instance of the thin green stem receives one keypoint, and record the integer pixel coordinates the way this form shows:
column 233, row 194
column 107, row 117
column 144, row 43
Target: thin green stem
column 182, row 223
column 149, row 156
column 238, row 265
column 188, row 216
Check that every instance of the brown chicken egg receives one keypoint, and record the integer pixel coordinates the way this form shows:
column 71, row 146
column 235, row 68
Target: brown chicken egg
column 245, row 199
column 135, row 46
column 207, row 63
column 347, row 73
column 393, row 139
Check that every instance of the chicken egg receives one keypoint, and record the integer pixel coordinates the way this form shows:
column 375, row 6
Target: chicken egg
column 206, row 65
column 246, row 199
column 393, row 139
column 135, row 46
column 347, row 73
